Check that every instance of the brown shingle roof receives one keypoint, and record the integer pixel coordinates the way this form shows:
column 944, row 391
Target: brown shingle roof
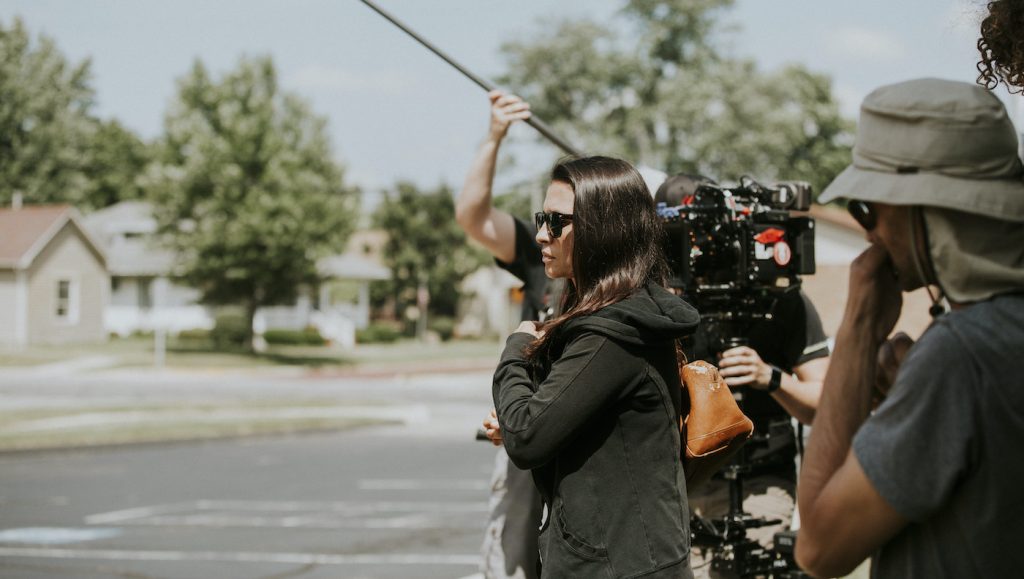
column 25, row 232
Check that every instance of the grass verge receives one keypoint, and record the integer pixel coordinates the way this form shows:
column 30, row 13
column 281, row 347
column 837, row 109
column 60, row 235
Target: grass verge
column 39, row 429
column 137, row 352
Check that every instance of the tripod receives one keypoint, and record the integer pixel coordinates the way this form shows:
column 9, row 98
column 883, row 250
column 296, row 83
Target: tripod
column 733, row 553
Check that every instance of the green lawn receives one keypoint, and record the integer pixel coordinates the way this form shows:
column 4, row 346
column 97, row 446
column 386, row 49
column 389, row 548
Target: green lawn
column 139, row 352
column 37, row 429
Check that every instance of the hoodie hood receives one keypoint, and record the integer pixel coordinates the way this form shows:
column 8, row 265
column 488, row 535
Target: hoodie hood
column 651, row 314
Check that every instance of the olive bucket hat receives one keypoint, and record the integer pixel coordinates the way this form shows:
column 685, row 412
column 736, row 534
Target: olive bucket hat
column 936, row 143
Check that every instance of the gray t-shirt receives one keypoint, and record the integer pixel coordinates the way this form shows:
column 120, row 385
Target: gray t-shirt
column 946, row 448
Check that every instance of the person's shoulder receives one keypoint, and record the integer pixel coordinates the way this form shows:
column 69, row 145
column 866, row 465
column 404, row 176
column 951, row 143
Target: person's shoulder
column 977, row 320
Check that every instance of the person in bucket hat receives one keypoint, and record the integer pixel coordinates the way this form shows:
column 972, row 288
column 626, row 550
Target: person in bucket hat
column 928, row 483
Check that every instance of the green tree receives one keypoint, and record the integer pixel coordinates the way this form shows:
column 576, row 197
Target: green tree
column 426, row 246
column 113, row 166
column 246, row 190
column 45, row 127
column 665, row 95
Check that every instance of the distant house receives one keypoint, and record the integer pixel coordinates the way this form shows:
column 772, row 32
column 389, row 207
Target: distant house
column 491, row 304
column 54, row 283
column 341, row 303
column 146, row 294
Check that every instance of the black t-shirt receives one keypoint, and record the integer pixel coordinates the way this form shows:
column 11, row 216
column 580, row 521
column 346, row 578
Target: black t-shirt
column 528, row 267
column 793, row 336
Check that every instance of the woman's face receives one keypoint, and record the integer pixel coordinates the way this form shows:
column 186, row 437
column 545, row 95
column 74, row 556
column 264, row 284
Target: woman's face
column 557, row 251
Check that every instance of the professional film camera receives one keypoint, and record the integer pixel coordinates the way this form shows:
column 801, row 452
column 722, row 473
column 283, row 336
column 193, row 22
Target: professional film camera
column 733, row 250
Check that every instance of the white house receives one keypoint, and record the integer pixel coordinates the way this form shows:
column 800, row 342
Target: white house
column 147, row 295
column 144, row 294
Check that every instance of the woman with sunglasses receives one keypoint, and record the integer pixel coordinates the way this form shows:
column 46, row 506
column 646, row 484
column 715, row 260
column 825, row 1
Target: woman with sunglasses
column 590, row 400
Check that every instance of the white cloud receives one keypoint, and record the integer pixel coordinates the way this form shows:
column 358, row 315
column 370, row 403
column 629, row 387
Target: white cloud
column 865, row 44
column 317, row 77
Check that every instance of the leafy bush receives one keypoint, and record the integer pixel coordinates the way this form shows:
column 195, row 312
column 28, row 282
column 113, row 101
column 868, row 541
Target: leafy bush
column 194, row 340
column 306, row 337
column 444, row 326
column 194, row 335
column 378, row 333
column 229, row 331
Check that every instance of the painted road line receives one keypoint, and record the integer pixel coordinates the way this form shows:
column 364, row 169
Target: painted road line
column 129, row 514
column 423, row 485
column 417, row 414
column 241, row 557
column 342, row 506
column 136, row 513
column 141, row 515
column 295, row 514
column 56, row 535
column 243, row 521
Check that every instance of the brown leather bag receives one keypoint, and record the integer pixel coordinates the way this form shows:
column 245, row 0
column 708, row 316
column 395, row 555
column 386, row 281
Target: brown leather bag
column 715, row 427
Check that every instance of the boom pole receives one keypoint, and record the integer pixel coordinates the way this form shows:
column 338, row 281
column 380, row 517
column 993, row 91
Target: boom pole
column 534, row 122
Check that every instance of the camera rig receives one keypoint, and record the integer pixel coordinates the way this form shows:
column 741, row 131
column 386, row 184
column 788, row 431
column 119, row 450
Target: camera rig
column 733, row 250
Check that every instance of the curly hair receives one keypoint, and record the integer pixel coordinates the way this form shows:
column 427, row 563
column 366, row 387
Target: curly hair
column 1002, row 46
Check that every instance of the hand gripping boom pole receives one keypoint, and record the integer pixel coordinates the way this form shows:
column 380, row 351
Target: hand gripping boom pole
column 534, row 122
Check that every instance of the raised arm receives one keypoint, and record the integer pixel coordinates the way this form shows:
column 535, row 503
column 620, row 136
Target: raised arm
column 843, row 518
column 474, row 208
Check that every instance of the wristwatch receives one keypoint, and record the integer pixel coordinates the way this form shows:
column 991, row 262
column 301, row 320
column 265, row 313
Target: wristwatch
column 776, row 380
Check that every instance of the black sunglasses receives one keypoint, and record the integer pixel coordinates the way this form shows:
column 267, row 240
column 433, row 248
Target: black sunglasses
column 554, row 220
column 862, row 213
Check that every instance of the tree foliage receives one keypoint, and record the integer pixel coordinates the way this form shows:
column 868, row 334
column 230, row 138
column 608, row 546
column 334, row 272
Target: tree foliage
column 52, row 148
column 665, row 94
column 425, row 245
column 116, row 160
column 45, row 125
column 246, row 190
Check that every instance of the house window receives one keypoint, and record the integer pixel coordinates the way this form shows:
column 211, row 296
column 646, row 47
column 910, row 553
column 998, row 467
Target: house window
column 145, row 293
column 66, row 307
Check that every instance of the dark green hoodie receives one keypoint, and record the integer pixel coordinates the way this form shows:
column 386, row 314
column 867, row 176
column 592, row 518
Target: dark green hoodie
column 600, row 429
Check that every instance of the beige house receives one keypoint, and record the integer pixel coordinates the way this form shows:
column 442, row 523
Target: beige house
column 54, row 283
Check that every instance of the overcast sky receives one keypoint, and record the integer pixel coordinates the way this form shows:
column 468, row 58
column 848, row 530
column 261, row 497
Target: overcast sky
column 397, row 112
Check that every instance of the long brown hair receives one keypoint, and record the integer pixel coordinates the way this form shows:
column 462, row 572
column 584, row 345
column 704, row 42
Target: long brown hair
column 617, row 241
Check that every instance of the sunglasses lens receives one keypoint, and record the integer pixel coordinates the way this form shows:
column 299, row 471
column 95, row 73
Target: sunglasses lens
column 862, row 213
column 555, row 224
column 554, row 220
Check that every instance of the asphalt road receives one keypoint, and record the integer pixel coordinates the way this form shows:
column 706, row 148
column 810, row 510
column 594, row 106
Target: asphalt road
column 404, row 501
